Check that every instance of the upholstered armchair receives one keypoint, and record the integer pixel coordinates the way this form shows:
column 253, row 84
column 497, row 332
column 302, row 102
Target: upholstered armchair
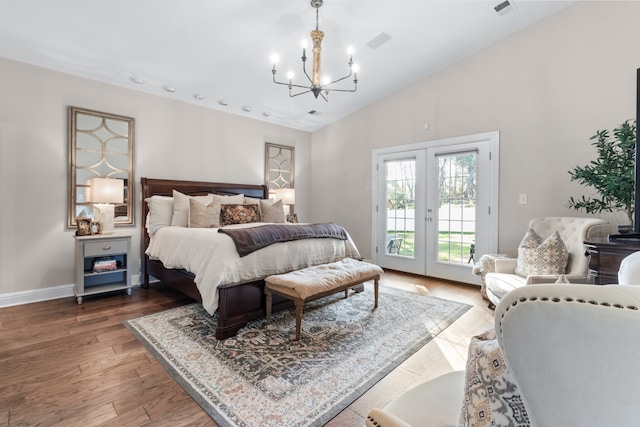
column 566, row 355
column 507, row 274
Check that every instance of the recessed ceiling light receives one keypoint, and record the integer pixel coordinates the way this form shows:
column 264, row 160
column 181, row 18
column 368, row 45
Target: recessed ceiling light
column 138, row 80
column 266, row 114
column 169, row 88
column 199, row 96
column 223, row 102
column 246, row 108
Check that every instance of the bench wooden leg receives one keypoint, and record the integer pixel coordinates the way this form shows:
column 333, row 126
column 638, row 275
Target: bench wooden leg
column 268, row 304
column 299, row 303
column 375, row 292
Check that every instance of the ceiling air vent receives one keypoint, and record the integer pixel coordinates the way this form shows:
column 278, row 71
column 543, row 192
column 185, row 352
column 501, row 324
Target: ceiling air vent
column 315, row 113
column 504, row 7
column 378, row 40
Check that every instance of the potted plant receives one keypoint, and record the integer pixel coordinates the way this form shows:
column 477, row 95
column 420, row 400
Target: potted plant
column 611, row 174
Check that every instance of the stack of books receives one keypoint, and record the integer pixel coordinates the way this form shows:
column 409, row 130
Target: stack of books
column 100, row 266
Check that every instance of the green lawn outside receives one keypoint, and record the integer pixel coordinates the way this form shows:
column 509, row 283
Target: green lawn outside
column 453, row 247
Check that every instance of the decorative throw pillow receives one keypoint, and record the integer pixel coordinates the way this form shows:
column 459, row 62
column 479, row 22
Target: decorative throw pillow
column 491, row 396
column 536, row 256
column 181, row 207
column 254, row 201
column 272, row 211
column 219, row 200
column 238, row 214
column 201, row 215
column 160, row 213
column 527, row 247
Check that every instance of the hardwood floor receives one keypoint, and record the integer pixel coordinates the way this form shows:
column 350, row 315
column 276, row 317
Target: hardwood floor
column 77, row 365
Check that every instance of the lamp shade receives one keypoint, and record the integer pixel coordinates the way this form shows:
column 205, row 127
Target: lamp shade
column 287, row 195
column 106, row 190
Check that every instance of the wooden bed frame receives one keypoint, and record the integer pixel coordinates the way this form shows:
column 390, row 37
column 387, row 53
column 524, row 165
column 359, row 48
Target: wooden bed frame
column 238, row 303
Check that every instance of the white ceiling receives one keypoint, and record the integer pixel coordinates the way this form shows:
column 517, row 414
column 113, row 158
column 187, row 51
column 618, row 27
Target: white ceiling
column 223, row 48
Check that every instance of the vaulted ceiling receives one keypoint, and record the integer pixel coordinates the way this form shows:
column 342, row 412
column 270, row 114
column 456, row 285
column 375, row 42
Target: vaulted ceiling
column 223, row 49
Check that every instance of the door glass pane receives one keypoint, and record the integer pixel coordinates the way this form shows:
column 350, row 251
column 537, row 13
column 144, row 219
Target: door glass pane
column 401, row 198
column 457, row 208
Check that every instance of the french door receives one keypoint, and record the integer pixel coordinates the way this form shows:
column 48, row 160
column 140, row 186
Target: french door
column 401, row 179
column 432, row 206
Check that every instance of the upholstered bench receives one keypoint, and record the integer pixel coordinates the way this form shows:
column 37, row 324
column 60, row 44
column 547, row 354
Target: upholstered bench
column 319, row 281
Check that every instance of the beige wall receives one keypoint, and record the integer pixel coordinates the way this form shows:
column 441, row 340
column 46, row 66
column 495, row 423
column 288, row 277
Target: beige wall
column 547, row 89
column 173, row 140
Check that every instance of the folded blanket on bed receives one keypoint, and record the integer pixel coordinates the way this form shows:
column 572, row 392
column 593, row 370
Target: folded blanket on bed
column 248, row 240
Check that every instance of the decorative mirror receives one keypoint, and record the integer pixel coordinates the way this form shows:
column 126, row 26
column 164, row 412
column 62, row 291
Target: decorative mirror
column 278, row 168
column 278, row 177
column 100, row 146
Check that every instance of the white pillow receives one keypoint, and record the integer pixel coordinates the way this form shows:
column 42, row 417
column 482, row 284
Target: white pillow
column 181, row 207
column 160, row 213
column 254, row 201
column 251, row 201
column 271, row 211
column 201, row 215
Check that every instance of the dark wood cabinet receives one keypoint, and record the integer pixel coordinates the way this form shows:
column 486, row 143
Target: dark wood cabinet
column 606, row 256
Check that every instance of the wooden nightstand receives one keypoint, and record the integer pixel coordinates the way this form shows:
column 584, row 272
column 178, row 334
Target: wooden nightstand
column 90, row 249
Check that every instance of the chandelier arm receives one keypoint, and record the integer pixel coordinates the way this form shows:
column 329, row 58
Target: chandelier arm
column 341, row 90
column 306, row 91
column 324, row 88
column 290, row 84
column 293, row 95
column 301, row 87
column 339, row 80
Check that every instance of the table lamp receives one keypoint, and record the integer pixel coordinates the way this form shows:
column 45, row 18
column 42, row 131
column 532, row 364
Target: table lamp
column 288, row 197
column 103, row 193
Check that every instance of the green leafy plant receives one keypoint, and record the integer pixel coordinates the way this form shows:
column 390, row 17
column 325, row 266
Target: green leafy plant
column 611, row 174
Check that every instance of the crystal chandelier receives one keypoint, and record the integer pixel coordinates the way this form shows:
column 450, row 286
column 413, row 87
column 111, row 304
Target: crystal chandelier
column 316, row 86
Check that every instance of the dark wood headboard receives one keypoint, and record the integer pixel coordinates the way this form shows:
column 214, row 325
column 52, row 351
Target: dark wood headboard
column 165, row 187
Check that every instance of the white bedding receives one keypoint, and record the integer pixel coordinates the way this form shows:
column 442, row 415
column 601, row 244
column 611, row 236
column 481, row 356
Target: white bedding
column 214, row 260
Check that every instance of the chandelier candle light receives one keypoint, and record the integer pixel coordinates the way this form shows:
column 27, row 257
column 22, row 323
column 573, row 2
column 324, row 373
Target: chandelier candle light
column 316, row 87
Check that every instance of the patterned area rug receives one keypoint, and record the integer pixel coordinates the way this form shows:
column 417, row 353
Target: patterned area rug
column 262, row 377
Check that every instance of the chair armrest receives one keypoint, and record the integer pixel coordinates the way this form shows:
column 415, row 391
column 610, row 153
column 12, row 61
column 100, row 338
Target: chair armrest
column 379, row 417
column 486, row 264
column 506, row 265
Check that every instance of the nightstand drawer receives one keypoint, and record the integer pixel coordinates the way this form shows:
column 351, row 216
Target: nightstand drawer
column 105, row 248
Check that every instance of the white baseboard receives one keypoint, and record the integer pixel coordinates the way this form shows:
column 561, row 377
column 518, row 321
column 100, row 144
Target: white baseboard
column 35, row 295
column 44, row 294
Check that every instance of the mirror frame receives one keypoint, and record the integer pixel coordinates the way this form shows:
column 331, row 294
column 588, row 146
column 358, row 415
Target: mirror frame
column 280, row 181
column 73, row 150
column 285, row 177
